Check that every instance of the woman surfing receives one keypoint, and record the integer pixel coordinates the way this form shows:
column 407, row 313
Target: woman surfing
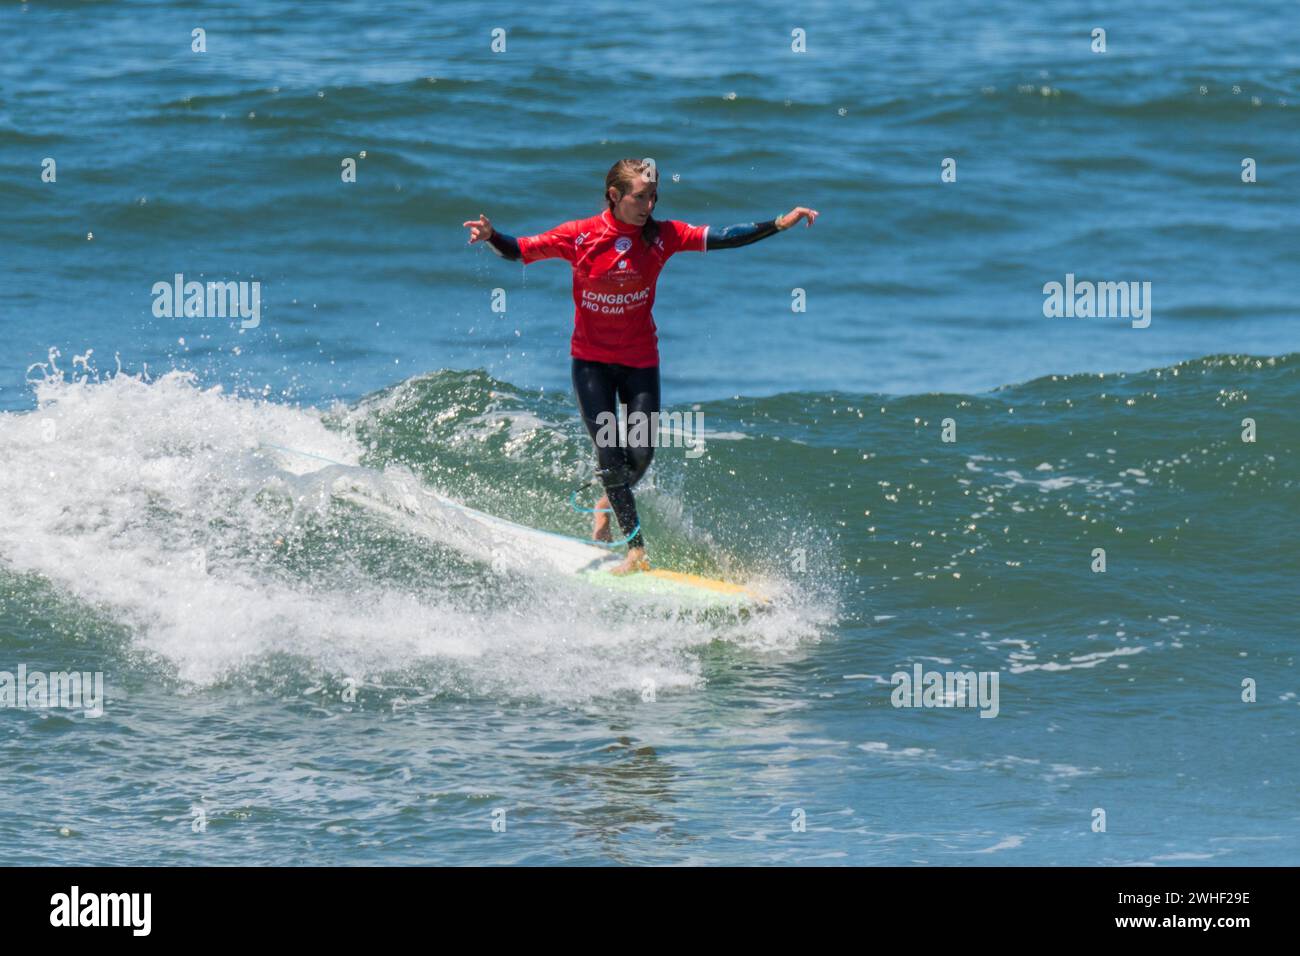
column 616, row 258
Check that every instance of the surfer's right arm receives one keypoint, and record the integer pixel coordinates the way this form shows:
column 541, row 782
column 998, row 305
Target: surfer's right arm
column 507, row 247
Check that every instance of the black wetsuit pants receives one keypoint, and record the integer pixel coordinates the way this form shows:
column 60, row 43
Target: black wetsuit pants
column 601, row 387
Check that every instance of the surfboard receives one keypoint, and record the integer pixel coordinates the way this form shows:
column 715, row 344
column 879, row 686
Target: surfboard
column 399, row 497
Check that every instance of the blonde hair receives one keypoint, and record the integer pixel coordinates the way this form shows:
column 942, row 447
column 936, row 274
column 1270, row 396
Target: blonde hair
column 622, row 176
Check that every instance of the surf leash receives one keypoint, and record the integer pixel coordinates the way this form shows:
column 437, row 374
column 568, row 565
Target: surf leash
column 573, row 501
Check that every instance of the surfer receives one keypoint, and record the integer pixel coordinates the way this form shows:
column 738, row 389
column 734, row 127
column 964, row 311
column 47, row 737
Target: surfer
column 616, row 258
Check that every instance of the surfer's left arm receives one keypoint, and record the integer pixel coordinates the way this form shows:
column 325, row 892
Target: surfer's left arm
column 744, row 233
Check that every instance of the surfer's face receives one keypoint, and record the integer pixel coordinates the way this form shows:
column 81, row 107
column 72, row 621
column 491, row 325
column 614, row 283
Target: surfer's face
column 636, row 205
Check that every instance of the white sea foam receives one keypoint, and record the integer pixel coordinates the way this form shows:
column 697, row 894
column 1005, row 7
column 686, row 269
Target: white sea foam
column 152, row 499
column 1080, row 661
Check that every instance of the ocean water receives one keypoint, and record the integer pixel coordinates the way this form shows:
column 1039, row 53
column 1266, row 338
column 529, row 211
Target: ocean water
column 291, row 680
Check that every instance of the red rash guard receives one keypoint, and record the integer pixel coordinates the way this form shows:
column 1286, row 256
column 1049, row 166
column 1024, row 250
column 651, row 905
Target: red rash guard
column 614, row 276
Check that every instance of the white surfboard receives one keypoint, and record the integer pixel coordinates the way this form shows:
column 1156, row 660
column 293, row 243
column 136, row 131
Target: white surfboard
column 400, row 497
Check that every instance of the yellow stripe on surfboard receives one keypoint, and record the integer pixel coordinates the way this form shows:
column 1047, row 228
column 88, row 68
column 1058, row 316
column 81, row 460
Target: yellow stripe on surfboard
column 708, row 584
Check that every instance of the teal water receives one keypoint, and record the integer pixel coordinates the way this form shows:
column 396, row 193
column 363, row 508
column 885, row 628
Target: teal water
column 322, row 686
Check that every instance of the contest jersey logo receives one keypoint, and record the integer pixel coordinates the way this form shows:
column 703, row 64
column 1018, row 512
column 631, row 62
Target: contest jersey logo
column 578, row 240
column 622, row 244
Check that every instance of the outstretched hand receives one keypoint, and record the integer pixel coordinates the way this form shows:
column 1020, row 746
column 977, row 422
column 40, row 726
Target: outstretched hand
column 479, row 229
column 794, row 215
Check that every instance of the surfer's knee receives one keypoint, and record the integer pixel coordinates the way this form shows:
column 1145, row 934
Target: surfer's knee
column 638, row 462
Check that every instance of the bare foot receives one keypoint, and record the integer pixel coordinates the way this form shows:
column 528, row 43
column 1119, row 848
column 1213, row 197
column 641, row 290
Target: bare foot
column 635, row 561
column 600, row 526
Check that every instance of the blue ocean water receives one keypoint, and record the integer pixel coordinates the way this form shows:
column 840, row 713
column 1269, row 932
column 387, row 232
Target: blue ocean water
column 290, row 680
